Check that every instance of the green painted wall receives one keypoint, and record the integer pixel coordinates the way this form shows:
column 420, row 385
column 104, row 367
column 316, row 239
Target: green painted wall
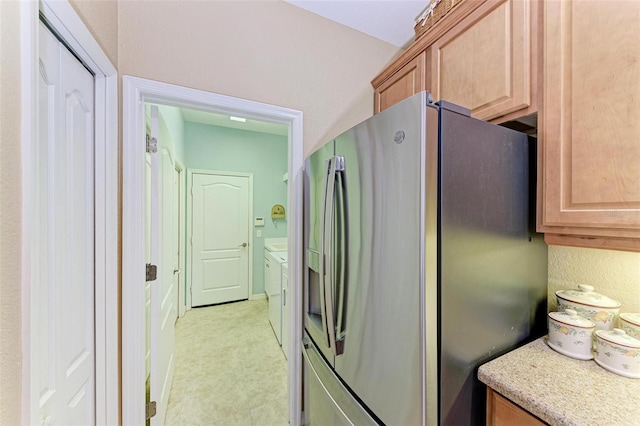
column 264, row 155
column 172, row 119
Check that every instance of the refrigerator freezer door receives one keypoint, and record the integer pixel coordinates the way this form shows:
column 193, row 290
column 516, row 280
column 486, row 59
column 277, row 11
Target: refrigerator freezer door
column 327, row 401
column 380, row 325
column 493, row 266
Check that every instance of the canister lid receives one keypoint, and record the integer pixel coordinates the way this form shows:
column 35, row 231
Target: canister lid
column 631, row 318
column 571, row 317
column 586, row 296
column 619, row 337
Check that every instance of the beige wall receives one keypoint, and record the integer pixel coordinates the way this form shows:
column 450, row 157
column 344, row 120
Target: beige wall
column 10, row 290
column 101, row 18
column 267, row 51
column 614, row 273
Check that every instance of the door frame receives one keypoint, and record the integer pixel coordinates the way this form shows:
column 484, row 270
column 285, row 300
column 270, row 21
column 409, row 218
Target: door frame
column 64, row 20
column 190, row 173
column 136, row 91
column 182, row 236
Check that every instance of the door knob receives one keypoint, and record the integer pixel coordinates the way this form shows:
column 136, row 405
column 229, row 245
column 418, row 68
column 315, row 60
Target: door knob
column 176, row 271
column 243, row 245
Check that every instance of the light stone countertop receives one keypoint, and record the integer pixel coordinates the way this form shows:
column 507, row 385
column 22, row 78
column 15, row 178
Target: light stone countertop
column 562, row 390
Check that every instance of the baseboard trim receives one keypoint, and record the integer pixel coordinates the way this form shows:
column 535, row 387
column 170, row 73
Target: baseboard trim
column 258, row 296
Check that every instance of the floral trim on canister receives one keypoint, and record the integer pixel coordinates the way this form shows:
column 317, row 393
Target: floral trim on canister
column 592, row 314
column 618, row 353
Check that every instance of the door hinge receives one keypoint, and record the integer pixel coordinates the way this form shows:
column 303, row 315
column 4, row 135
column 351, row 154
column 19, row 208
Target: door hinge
column 151, row 409
column 152, row 272
column 152, row 144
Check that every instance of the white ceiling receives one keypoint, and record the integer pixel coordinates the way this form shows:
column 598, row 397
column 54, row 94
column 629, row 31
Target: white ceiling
column 391, row 21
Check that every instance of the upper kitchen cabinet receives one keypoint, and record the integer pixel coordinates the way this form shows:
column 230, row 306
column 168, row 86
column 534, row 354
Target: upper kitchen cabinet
column 483, row 55
column 589, row 128
column 407, row 81
column 407, row 74
column 488, row 61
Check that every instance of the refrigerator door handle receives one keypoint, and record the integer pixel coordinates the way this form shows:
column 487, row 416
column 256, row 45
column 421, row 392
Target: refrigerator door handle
column 326, row 277
column 336, row 165
column 322, row 265
column 342, row 244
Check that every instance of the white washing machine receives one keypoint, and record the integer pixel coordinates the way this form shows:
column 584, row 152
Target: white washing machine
column 272, row 245
column 278, row 258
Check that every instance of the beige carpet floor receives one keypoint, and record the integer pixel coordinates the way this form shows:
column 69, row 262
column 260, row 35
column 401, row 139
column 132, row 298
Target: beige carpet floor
column 230, row 369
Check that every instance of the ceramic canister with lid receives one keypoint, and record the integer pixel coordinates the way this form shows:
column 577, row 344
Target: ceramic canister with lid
column 570, row 334
column 600, row 309
column 618, row 353
column 630, row 323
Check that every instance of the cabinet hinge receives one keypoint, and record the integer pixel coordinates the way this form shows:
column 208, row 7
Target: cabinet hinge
column 152, row 272
column 152, row 144
column 151, row 409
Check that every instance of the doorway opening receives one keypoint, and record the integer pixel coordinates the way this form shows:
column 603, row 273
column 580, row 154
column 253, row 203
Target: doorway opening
column 137, row 92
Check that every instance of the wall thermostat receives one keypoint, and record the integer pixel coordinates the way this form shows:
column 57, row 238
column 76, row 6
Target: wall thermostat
column 259, row 221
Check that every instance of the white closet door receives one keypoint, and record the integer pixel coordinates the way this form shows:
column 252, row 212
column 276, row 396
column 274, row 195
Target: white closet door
column 177, row 273
column 63, row 241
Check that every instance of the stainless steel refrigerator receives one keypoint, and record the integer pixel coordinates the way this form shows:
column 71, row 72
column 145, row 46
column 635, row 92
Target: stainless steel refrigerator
column 421, row 263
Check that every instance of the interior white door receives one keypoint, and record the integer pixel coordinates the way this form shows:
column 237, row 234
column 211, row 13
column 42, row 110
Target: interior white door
column 177, row 230
column 220, row 238
column 163, row 308
column 63, row 242
column 148, row 261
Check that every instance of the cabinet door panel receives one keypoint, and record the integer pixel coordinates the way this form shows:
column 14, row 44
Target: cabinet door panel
column 406, row 82
column 590, row 129
column 484, row 62
column 502, row 412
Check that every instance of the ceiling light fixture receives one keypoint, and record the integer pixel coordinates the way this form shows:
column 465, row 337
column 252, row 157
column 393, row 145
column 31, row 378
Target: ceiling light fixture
column 240, row 119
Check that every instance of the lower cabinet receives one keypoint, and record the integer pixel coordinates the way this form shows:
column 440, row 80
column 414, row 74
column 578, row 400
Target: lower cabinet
column 502, row 412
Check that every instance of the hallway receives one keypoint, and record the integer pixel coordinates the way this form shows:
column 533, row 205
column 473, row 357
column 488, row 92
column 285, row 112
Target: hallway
column 229, row 368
